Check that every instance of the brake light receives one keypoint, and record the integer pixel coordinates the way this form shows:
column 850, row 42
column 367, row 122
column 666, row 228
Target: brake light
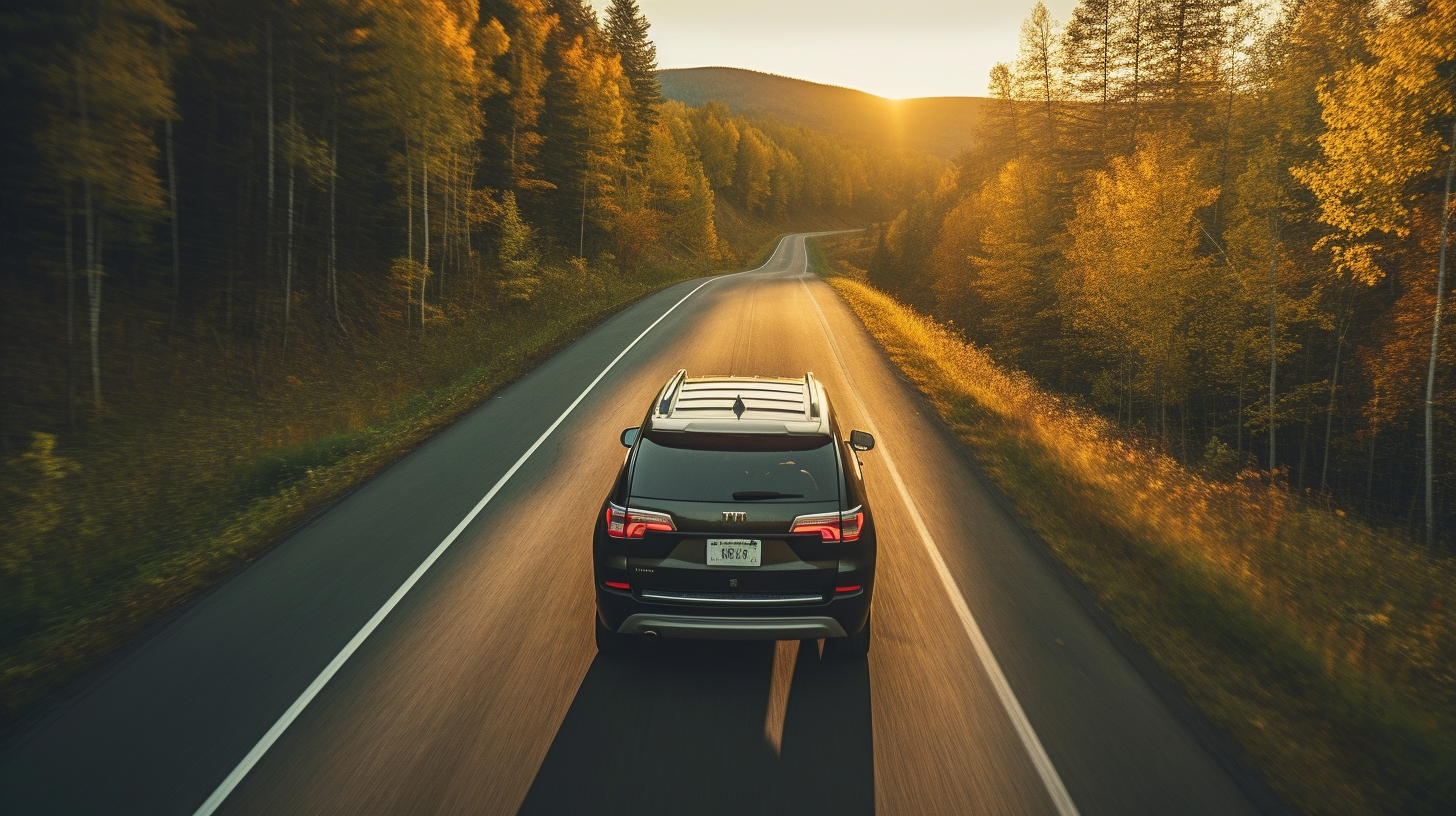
column 628, row 522
column 844, row 526
column 839, row 589
column 621, row 585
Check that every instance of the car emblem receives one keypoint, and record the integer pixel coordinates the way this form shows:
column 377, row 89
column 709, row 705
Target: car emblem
column 729, row 515
column 733, row 582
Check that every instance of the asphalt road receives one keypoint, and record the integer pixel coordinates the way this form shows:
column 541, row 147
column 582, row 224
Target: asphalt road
column 480, row 690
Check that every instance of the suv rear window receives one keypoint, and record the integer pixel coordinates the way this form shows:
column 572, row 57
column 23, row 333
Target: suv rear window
column 714, row 469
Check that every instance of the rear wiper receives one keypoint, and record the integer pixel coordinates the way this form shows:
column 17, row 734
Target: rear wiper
column 751, row 495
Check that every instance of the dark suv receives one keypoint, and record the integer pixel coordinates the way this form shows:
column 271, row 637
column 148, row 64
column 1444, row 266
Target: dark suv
column 739, row 513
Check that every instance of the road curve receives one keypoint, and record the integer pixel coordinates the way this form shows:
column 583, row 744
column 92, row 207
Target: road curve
column 480, row 690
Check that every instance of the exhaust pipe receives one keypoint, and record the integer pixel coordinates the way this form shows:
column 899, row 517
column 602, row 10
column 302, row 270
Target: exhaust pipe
column 650, row 633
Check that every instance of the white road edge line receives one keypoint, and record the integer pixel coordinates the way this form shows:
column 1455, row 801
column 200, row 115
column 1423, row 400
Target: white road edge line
column 232, row 780
column 1061, row 800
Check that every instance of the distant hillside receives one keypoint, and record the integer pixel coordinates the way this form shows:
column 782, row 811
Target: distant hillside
column 941, row 125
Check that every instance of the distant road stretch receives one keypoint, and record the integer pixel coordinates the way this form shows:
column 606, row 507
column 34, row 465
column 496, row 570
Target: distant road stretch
column 426, row 645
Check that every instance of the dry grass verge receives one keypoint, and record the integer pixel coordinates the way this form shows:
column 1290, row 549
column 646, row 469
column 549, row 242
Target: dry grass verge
column 1324, row 646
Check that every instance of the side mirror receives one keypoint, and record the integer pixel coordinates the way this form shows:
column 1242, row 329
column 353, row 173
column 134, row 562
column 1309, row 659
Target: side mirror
column 861, row 441
column 629, row 437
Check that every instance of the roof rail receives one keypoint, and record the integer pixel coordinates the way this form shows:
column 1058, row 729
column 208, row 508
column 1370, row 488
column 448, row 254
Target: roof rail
column 664, row 400
column 811, row 391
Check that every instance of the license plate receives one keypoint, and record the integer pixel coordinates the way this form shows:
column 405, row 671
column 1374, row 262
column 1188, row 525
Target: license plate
column 735, row 552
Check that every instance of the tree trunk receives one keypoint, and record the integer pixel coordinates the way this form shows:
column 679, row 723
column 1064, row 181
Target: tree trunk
column 1370, row 474
column 1273, row 339
column 93, row 252
column 1436, row 344
column 1107, row 35
column 409, row 203
column 1334, row 384
column 1239, row 417
column 172, row 198
column 93, row 291
column 172, row 201
column 334, row 225
column 288, row 254
column 425, row 206
column 70, row 311
column 268, row 225
column 1137, row 65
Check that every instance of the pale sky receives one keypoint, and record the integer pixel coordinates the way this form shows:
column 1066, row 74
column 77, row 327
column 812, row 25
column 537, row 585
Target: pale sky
column 894, row 48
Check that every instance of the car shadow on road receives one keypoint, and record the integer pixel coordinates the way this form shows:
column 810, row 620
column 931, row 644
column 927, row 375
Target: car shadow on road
column 688, row 727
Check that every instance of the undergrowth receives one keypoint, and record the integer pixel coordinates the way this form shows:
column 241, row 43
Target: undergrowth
column 202, row 471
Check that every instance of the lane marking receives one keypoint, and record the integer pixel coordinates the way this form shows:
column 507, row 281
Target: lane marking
column 1061, row 800
column 219, row 795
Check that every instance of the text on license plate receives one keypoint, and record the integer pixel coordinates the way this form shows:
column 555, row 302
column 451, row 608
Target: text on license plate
column 735, row 552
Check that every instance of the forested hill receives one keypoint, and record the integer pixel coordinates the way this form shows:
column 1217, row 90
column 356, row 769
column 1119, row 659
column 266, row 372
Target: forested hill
column 942, row 126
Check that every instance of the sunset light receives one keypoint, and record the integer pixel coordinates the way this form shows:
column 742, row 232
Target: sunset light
column 782, row 407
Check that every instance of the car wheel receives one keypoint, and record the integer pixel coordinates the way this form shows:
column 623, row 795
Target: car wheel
column 609, row 642
column 855, row 645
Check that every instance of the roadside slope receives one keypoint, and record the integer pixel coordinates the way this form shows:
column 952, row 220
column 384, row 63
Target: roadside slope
column 1203, row 576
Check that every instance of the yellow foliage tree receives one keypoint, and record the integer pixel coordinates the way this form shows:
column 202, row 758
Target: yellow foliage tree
column 1388, row 129
column 1134, row 275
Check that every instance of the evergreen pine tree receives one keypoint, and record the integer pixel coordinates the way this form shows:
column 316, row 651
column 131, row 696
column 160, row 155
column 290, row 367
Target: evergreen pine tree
column 626, row 30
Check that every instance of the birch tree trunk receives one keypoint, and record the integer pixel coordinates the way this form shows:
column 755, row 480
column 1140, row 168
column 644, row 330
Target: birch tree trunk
column 70, row 310
column 288, row 255
column 1239, row 418
column 409, row 208
column 1273, row 340
column 409, row 203
column 334, row 224
column 1334, row 384
column 268, row 224
column 172, row 201
column 470, row 267
column 1436, row 343
column 93, row 291
column 93, row 252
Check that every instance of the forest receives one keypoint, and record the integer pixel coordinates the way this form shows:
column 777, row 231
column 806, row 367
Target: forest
column 250, row 243
column 1225, row 225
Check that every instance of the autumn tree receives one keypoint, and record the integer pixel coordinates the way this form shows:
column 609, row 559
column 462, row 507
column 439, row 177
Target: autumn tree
column 1038, row 71
column 513, row 138
column 1389, row 159
column 1135, row 276
column 1089, row 53
column 1016, row 259
column 626, row 31
column 107, row 91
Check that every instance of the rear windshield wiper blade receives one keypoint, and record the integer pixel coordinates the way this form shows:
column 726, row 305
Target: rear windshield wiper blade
column 751, row 495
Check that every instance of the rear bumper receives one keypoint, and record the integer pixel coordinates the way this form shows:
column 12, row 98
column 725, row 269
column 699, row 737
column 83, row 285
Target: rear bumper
column 692, row 626
column 622, row 611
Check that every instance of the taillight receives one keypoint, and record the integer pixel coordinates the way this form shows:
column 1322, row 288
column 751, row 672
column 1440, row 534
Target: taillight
column 844, row 526
column 628, row 522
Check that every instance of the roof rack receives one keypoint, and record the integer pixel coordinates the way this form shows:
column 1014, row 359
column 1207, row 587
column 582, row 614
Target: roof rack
column 669, row 391
column 707, row 404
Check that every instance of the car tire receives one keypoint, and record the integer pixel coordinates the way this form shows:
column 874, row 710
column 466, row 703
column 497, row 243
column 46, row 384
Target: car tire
column 855, row 645
column 612, row 643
